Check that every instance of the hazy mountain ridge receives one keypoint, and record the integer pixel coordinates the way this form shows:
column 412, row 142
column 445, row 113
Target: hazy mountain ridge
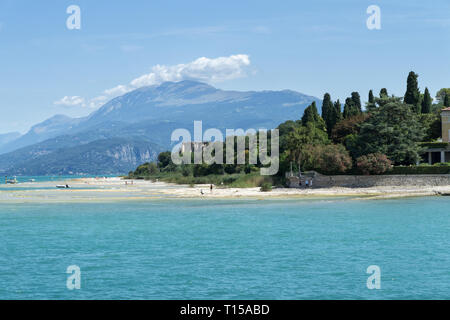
column 109, row 156
column 51, row 127
column 8, row 137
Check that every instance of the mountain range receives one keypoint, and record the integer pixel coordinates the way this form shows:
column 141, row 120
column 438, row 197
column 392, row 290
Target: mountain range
column 135, row 127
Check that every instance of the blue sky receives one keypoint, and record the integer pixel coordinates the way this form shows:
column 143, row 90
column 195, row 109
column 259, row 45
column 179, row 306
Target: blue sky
column 309, row 46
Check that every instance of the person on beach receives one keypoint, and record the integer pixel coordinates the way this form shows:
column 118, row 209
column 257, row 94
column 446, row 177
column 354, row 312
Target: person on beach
column 211, row 188
column 306, row 183
column 201, row 191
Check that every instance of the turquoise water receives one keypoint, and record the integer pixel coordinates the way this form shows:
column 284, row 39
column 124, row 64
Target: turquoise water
column 193, row 249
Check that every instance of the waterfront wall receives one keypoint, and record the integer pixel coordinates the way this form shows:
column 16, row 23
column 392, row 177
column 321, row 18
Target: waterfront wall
column 321, row 181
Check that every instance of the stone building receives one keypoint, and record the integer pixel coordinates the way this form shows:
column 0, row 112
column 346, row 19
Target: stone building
column 440, row 152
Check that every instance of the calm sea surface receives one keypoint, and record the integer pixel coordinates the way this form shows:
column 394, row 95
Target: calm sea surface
column 193, row 249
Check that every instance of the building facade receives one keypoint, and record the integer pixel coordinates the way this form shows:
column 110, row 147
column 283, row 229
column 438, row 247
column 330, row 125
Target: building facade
column 440, row 152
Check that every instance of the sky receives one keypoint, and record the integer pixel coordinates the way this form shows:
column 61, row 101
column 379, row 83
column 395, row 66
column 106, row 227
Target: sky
column 309, row 46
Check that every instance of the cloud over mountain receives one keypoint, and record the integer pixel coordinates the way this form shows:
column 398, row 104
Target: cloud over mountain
column 202, row 69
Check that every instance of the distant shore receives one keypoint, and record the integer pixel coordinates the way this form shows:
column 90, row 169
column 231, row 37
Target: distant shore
column 117, row 189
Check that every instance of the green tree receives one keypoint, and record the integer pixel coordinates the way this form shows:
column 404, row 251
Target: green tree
column 337, row 107
column 350, row 109
column 447, row 101
column 371, row 105
column 164, row 159
column 384, row 93
column 299, row 137
column 357, row 101
column 347, row 127
column 326, row 106
column 426, row 102
column 431, row 123
column 412, row 95
column 371, row 98
column 331, row 113
column 440, row 95
column 311, row 115
column 393, row 130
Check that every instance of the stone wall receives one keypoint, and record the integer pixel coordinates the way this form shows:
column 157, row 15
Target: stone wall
column 321, row 181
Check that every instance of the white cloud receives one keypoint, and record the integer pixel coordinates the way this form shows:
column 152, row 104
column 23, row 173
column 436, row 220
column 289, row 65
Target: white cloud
column 202, row 69
column 116, row 91
column 71, row 101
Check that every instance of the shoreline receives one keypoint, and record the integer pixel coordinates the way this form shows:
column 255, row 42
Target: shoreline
column 118, row 189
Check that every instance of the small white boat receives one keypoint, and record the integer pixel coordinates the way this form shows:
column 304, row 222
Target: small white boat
column 63, row 186
column 12, row 181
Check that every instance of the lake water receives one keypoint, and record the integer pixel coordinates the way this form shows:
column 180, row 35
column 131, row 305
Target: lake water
column 194, row 249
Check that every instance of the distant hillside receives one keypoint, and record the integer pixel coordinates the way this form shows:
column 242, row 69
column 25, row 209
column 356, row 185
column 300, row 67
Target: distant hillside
column 149, row 114
column 8, row 137
column 110, row 156
column 50, row 128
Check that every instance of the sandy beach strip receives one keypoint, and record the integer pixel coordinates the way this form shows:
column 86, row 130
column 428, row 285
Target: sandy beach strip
column 117, row 189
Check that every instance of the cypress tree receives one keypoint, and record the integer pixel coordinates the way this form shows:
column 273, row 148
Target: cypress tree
column 426, row 102
column 412, row 95
column 348, row 108
column 310, row 114
column 337, row 107
column 371, row 98
column 326, row 107
column 383, row 93
column 357, row 101
column 447, row 101
column 371, row 106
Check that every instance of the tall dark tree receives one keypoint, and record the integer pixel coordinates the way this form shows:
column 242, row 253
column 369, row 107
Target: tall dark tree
column 352, row 106
column 337, row 107
column 447, row 101
column 311, row 116
column 329, row 113
column 357, row 101
column 426, row 102
column 348, row 108
column 326, row 105
column 383, row 93
column 412, row 95
column 371, row 105
column 371, row 97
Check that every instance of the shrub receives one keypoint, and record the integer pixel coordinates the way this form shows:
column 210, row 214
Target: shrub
column 437, row 145
column 326, row 159
column 421, row 170
column 186, row 170
column 266, row 187
column 164, row 159
column 147, row 169
column 374, row 163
